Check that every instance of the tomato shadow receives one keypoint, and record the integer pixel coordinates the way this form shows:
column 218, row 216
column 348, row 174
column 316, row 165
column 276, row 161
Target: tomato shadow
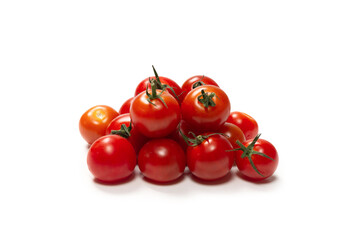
column 115, row 183
column 227, row 178
column 174, row 182
column 268, row 180
column 124, row 186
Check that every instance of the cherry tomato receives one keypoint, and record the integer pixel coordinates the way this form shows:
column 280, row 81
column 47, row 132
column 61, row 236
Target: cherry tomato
column 195, row 82
column 111, row 158
column 233, row 133
column 167, row 81
column 162, row 160
column 125, row 108
column 93, row 122
column 245, row 122
column 206, row 108
column 264, row 159
column 135, row 138
column 210, row 160
column 152, row 117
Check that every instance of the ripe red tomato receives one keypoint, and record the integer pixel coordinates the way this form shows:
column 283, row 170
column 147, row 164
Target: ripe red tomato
column 136, row 138
column 233, row 133
column 245, row 122
column 264, row 159
column 206, row 108
column 152, row 117
column 111, row 158
column 162, row 160
column 125, row 108
column 193, row 82
column 93, row 122
column 174, row 89
column 210, row 159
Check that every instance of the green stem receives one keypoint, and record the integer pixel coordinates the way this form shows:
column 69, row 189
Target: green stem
column 123, row 131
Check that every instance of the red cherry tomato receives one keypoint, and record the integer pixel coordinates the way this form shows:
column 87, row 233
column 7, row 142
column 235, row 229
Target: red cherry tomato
column 260, row 167
column 210, row 160
column 93, row 122
column 145, row 83
column 162, row 160
column 111, row 158
column 125, row 108
column 155, row 119
column 233, row 133
column 135, row 138
column 193, row 82
column 245, row 122
column 206, row 108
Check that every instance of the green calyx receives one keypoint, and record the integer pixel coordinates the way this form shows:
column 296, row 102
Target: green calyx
column 197, row 140
column 198, row 83
column 154, row 94
column 124, row 131
column 207, row 98
column 161, row 86
column 249, row 151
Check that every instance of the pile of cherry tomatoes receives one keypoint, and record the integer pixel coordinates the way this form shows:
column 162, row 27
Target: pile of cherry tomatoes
column 165, row 128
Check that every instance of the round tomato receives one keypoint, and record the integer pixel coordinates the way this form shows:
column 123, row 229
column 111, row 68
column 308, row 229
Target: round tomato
column 93, row 122
column 195, row 82
column 173, row 88
column 162, row 160
column 208, row 158
column 155, row 115
column 232, row 133
column 125, row 108
column 130, row 133
column 256, row 159
column 111, row 158
column 246, row 123
column 205, row 108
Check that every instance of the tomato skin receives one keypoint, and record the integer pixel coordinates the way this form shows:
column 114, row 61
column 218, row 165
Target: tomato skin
column 209, row 160
column 111, row 158
column 233, row 133
column 189, row 84
column 136, row 139
column 94, row 121
column 125, row 108
column 245, row 122
column 164, row 80
column 205, row 119
column 265, row 166
column 162, row 160
column 155, row 121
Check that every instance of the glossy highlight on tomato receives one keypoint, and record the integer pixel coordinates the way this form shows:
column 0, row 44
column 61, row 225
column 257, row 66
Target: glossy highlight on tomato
column 93, row 122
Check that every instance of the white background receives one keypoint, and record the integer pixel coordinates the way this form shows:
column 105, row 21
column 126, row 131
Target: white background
column 292, row 65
